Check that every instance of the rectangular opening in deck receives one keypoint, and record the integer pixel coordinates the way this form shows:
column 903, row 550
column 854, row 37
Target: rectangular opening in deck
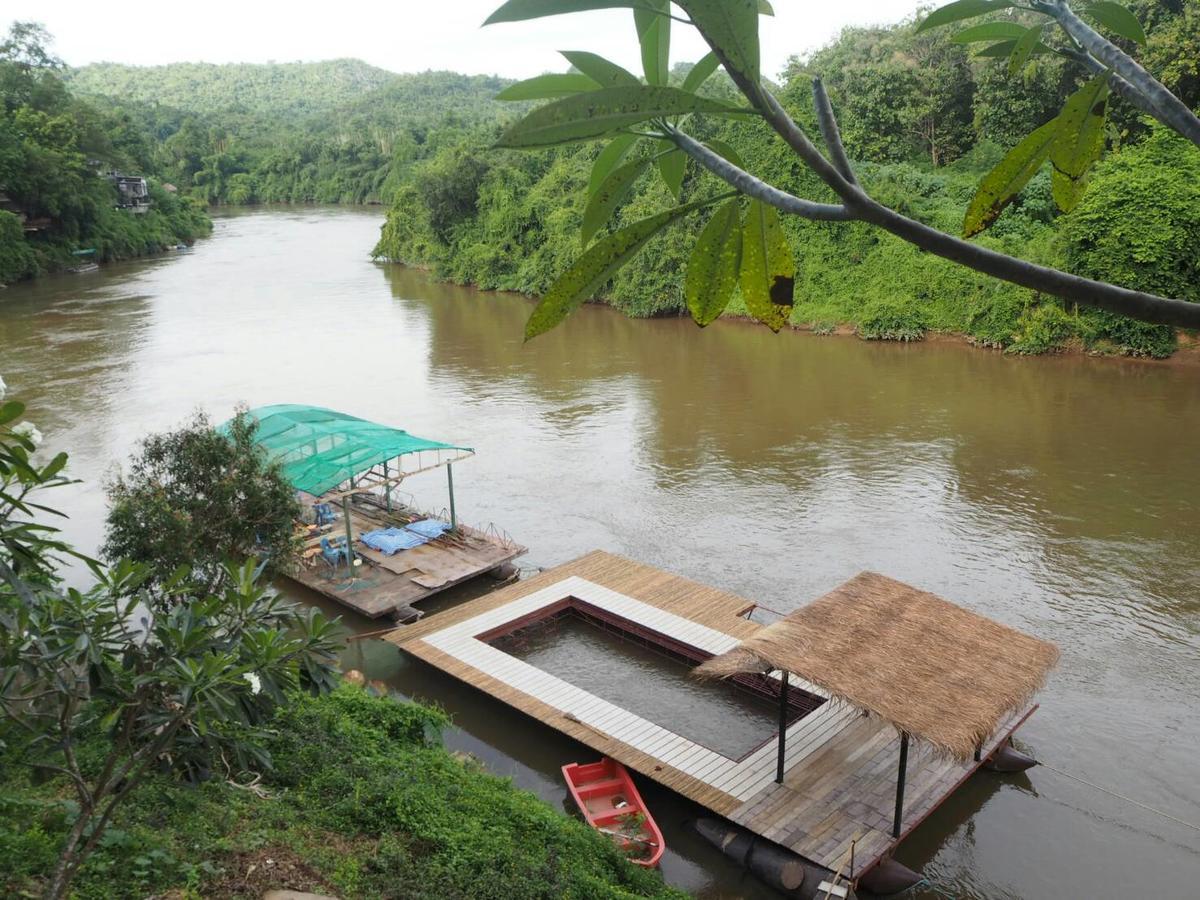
column 648, row 674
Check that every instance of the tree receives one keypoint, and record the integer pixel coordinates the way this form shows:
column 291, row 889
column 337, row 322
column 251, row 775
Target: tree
column 196, row 497
column 743, row 246
column 181, row 668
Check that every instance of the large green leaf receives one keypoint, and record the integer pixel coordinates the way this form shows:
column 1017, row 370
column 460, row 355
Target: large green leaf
column 598, row 264
column 989, row 31
column 999, row 187
column 959, row 10
column 600, row 70
column 768, row 272
column 701, row 72
column 608, row 159
column 1118, row 19
column 611, row 194
column 765, row 8
column 10, row 411
column 520, row 10
column 1078, row 141
column 1024, row 48
column 731, row 27
column 654, row 36
column 712, row 272
column 547, row 87
column 1005, row 49
column 596, row 113
column 672, row 167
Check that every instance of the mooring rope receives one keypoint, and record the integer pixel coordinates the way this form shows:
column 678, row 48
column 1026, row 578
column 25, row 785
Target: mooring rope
column 1104, row 790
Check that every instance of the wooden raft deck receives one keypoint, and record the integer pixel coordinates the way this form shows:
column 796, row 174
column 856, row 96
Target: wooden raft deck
column 392, row 585
column 840, row 770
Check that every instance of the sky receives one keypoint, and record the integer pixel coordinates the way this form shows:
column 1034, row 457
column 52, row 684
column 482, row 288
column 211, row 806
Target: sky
column 400, row 35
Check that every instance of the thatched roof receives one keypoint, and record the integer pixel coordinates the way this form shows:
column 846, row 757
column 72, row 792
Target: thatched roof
column 932, row 669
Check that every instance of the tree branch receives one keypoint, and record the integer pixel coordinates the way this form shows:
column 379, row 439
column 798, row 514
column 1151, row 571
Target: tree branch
column 1073, row 288
column 756, row 187
column 1163, row 105
column 830, row 132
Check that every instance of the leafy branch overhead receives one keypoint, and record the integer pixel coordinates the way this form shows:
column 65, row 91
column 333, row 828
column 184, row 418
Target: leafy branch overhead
column 645, row 124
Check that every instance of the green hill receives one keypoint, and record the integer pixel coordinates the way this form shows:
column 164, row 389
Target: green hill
column 275, row 89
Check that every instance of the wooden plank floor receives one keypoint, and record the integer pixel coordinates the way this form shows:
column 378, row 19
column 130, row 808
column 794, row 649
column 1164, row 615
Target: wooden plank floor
column 392, row 585
column 840, row 767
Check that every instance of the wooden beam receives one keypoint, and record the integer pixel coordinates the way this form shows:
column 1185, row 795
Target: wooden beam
column 900, row 776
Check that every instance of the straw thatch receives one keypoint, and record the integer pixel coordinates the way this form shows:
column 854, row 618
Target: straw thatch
column 939, row 672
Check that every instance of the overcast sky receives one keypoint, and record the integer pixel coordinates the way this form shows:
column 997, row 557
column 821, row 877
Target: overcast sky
column 400, row 35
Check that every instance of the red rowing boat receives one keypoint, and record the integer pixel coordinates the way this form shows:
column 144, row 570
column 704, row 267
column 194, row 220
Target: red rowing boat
column 612, row 805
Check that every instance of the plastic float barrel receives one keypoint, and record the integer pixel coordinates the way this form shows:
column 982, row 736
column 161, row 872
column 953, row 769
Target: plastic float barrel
column 889, row 877
column 1008, row 759
column 767, row 861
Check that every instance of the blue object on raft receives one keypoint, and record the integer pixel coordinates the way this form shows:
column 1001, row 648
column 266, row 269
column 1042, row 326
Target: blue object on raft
column 390, row 540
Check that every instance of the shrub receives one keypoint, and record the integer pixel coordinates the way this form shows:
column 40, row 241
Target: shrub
column 893, row 320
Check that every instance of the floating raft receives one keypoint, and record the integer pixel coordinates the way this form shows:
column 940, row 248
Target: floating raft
column 839, row 764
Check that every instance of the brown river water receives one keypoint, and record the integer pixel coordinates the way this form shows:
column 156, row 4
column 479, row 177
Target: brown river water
column 1057, row 495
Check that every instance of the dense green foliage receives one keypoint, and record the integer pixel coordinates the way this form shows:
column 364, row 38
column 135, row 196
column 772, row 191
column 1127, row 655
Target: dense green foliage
column 327, row 132
column 361, row 802
column 197, row 497
column 924, row 121
column 53, row 149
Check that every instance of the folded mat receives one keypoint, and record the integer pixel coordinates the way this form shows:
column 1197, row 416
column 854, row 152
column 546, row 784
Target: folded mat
column 389, row 540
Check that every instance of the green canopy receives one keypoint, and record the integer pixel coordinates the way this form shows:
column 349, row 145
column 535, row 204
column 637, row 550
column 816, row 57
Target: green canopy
column 320, row 449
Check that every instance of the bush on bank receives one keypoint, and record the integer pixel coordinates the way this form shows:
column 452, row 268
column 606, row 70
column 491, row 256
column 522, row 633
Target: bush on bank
column 362, row 801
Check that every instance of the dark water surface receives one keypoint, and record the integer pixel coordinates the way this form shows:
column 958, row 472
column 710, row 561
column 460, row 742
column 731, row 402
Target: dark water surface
column 714, row 714
column 1057, row 495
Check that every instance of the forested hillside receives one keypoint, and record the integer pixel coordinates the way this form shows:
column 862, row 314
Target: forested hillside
column 329, row 132
column 277, row 90
column 924, row 119
column 54, row 152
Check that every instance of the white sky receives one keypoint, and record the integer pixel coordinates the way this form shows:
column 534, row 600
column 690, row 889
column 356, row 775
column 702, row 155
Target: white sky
column 399, row 35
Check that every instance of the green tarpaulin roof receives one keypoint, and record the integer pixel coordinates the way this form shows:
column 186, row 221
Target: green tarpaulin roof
column 320, row 449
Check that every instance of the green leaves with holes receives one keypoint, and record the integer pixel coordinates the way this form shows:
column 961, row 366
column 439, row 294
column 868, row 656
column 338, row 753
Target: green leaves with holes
column 731, row 27
column 608, row 159
column 612, row 192
column 598, row 264
column 715, row 264
column 654, row 36
column 1079, row 141
column 959, row 10
column 1024, row 48
column 768, row 272
column 721, row 148
column 1118, row 19
column 1000, row 186
column 1073, row 141
column 701, row 72
column 595, row 113
column 548, row 87
column 600, row 70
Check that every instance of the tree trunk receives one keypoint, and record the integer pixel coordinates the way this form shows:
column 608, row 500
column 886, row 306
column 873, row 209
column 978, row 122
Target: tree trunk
column 64, row 869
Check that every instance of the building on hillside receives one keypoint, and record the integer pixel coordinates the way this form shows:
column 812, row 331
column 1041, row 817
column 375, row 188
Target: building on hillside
column 133, row 193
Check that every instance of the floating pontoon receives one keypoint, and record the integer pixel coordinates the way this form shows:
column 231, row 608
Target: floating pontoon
column 890, row 697
column 347, row 471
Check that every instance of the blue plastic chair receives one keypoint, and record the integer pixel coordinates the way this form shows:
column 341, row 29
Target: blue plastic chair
column 335, row 551
column 325, row 514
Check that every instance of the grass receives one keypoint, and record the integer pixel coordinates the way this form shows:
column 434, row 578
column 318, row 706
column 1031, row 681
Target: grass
column 362, row 801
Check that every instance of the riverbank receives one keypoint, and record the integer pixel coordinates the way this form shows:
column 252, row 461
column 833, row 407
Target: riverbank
column 112, row 235
column 361, row 801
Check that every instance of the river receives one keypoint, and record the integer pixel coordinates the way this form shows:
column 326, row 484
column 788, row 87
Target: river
column 1058, row 495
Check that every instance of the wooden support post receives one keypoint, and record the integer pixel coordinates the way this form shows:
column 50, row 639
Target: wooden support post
column 900, row 784
column 783, row 709
column 349, row 532
column 387, row 486
column 450, row 483
column 978, row 752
